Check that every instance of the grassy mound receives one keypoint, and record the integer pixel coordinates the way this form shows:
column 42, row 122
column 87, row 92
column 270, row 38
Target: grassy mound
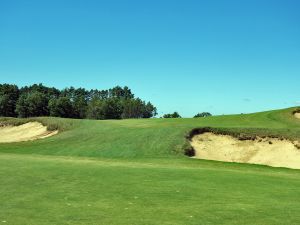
column 135, row 172
column 146, row 138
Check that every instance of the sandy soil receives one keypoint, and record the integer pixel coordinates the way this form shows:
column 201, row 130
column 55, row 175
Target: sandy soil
column 26, row 132
column 297, row 115
column 268, row 151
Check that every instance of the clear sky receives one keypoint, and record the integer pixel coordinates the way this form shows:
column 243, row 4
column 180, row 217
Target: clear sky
column 190, row 56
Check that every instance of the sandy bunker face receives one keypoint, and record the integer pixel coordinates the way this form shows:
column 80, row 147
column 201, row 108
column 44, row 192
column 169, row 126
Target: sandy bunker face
column 297, row 115
column 267, row 151
column 26, row 132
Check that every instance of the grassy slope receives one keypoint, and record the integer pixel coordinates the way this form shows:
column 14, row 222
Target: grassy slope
column 147, row 138
column 133, row 172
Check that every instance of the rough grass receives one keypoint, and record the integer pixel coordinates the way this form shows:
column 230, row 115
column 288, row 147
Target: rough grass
column 52, row 123
column 135, row 172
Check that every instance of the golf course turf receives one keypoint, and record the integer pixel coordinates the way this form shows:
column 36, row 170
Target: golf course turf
column 135, row 172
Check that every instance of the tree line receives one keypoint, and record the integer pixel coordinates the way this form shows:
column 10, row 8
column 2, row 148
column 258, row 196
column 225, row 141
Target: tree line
column 39, row 100
column 177, row 115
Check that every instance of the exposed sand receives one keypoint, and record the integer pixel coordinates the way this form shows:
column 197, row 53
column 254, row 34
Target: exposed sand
column 26, row 132
column 297, row 115
column 268, row 151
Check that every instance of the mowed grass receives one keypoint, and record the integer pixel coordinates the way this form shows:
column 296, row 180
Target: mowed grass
column 134, row 172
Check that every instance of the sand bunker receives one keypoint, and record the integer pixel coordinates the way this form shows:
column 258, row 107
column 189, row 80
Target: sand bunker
column 267, row 151
column 297, row 115
column 26, row 132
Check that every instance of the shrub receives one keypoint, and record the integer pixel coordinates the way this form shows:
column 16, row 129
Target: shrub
column 203, row 114
column 172, row 115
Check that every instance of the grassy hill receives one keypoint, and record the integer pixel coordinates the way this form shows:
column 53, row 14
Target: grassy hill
column 135, row 172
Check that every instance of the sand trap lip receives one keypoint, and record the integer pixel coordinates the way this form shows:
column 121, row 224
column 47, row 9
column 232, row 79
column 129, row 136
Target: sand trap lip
column 265, row 151
column 25, row 132
column 297, row 115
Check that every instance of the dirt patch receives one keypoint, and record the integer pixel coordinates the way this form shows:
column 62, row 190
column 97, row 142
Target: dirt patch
column 266, row 151
column 26, row 132
column 297, row 115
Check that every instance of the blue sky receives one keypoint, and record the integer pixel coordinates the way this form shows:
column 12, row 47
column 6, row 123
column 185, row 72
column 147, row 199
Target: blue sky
column 190, row 56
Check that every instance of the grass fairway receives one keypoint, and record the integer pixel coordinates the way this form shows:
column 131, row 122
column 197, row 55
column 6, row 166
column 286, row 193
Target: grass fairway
column 134, row 172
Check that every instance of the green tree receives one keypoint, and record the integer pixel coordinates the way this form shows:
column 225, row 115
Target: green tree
column 9, row 95
column 79, row 100
column 49, row 92
column 136, row 108
column 32, row 104
column 22, row 106
column 172, row 115
column 120, row 93
column 39, row 100
column 149, row 110
column 80, row 107
column 95, row 109
column 61, row 107
column 203, row 114
column 110, row 108
column 132, row 108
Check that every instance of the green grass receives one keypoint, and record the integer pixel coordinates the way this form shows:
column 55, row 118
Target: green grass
column 134, row 172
